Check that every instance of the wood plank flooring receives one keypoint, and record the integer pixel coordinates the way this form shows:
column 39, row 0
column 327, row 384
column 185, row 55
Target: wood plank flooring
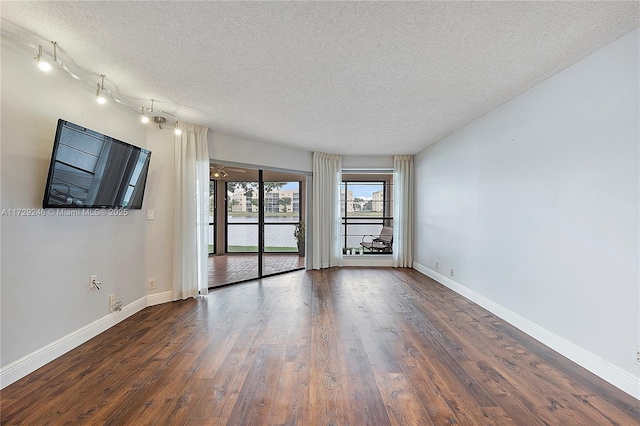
column 349, row 346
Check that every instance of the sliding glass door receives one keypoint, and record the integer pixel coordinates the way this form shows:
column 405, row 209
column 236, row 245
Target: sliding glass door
column 242, row 227
column 282, row 215
column 259, row 212
column 212, row 217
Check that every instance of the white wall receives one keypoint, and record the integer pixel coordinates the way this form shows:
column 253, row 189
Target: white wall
column 235, row 149
column 46, row 261
column 159, row 197
column 536, row 208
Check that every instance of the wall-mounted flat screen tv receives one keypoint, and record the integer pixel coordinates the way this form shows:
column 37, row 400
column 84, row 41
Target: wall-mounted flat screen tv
column 92, row 170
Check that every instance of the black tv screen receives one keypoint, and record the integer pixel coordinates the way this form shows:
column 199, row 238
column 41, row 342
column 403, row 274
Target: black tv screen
column 92, row 170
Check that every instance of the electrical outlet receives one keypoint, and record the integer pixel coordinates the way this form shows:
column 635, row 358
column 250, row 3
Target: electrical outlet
column 437, row 265
column 451, row 272
column 636, row 354
column 112, row 300
column 151, row 284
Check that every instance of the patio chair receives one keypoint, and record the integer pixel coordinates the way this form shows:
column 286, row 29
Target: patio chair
column 379, row 243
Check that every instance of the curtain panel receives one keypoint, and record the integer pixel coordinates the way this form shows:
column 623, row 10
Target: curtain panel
column 190, row 276
column 403, row 205
column 326, row 242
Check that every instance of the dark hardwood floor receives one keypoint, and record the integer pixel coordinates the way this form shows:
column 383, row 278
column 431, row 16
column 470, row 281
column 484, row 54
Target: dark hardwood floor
column 350, row 346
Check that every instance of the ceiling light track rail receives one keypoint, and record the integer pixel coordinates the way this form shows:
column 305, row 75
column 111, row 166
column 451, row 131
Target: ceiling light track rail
column 103, row 93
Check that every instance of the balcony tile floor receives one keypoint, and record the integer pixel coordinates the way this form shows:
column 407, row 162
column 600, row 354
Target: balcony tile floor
column 236, row 267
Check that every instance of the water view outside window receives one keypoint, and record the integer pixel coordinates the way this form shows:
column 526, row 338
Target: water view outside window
column 366, row 206
column 242, row 217
column 281, row 214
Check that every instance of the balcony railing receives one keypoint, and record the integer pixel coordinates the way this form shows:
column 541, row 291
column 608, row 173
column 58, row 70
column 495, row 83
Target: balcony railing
column 355, row 228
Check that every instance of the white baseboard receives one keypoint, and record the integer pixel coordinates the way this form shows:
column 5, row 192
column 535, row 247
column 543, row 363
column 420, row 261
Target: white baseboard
column 369, row 260
column 621, row 379
column 30, row 363
column 158, row 298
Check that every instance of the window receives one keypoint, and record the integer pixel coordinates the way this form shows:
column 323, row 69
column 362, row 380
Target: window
column 242, row 216
column 281, row 216
column 366, row 205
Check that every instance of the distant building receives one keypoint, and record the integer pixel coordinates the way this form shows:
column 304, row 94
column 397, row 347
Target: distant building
column 377, row 201
column 349, row 201
column 241, row 203
column 274, row 201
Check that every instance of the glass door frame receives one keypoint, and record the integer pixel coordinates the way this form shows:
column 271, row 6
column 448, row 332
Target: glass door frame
column 213, row 206
column 261, row 223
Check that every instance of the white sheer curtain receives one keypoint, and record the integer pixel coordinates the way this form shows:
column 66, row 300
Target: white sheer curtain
column 326, row 245
column 403, row 194
column 190, row 276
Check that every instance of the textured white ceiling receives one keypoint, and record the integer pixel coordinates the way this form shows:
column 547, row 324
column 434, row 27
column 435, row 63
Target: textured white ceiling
column 374, row 78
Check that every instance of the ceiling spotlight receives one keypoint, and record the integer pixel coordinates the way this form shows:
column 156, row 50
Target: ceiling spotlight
column 177, row 130
column 100, row 97
column 42, row 64
column 143, row 117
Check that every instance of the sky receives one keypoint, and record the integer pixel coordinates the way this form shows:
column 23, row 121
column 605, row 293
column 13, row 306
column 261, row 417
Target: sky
column 364, row 191
column 359, row 190
column 290, row 185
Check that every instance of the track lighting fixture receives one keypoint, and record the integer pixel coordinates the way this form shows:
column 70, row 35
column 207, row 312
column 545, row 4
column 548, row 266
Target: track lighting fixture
column 42, row 64
column 85, row 76
column 55, row 51
column 143, row 116
column 159, row 120
column 100, row 96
